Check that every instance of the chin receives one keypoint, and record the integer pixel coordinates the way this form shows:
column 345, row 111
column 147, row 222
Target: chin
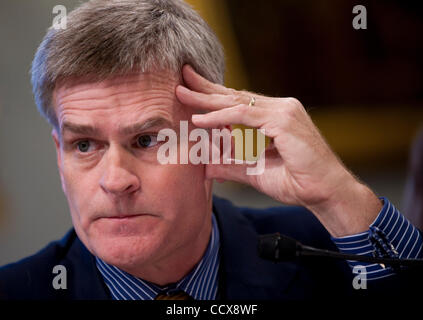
column 124, row 242
column 126, row 252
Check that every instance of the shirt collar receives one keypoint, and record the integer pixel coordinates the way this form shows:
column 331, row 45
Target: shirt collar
column 201, row 283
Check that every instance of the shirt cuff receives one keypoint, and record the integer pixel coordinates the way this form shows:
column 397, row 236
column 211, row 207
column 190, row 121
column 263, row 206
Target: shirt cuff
column 391, row 235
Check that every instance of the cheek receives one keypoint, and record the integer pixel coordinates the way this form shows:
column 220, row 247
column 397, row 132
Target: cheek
column 178, row 192
column 77, row 184
column 81, row 190
column 178, row 182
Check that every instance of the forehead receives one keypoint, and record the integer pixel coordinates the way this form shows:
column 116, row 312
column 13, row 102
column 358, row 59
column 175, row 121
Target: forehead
column 118, row 95
column 147, row 80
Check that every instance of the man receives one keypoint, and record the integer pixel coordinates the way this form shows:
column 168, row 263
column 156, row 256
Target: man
column 120, row 73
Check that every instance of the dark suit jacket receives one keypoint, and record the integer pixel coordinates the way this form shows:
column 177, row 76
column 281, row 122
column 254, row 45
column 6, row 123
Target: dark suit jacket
column 242, row 274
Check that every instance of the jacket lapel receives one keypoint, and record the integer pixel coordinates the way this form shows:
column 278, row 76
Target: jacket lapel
column 243, row 274
column 85, row 281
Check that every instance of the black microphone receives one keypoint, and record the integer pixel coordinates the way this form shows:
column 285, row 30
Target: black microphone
column 277, row 247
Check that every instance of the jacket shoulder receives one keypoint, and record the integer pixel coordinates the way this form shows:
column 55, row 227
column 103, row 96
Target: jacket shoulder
column 294, row 221
column 28, row 278
column 300, row 277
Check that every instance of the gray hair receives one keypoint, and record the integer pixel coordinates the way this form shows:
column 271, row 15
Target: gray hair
column 109, row 37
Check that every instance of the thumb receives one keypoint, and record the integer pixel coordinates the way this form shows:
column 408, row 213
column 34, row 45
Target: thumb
column 245, row 172
column 227, row 166
column 232, row 172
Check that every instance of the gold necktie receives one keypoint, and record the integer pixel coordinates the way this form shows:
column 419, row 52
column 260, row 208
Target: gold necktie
column 180, row 295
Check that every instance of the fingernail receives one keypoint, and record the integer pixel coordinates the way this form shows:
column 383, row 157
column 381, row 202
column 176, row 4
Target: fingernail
column 182, row 88
column 196, row 117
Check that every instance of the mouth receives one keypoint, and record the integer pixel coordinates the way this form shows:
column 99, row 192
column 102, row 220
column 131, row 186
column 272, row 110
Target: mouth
column 122, row 217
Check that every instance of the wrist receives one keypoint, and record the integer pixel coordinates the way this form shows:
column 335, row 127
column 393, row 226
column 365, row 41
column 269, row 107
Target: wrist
column 350, row 210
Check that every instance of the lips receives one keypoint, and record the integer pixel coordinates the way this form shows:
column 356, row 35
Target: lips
column 126, row 216
column 119, row 217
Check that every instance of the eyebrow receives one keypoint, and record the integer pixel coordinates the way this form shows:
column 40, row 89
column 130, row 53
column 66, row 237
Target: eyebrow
column 134, row 128
column 146, row 125
column 78, row 128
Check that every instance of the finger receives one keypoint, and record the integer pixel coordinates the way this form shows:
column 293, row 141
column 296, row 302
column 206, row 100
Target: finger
column 240, row 114
column 244, row 172
column 228, row 172
column 213, row 101
column 198, row 83
column 222, row 159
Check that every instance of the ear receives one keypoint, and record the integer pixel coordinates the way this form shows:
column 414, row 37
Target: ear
column 56, row 140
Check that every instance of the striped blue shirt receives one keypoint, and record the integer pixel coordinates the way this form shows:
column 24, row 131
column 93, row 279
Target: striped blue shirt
column 391, row 235
column 201, row 283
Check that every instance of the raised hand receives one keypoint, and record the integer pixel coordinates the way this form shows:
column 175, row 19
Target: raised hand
column 300, row 167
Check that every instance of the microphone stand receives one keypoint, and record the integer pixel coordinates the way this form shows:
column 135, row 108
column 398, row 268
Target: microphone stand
column 277, row 247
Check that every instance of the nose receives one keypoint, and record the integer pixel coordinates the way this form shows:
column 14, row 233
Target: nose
column 119, row 177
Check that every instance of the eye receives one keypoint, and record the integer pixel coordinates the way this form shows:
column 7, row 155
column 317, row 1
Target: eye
column 83, row 146
column 146, row 141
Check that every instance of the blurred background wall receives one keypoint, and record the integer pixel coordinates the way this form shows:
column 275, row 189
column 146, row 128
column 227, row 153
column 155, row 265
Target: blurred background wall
column 363, row 89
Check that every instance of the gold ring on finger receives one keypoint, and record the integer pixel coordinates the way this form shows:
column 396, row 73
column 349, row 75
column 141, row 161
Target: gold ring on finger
column 252, row 102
